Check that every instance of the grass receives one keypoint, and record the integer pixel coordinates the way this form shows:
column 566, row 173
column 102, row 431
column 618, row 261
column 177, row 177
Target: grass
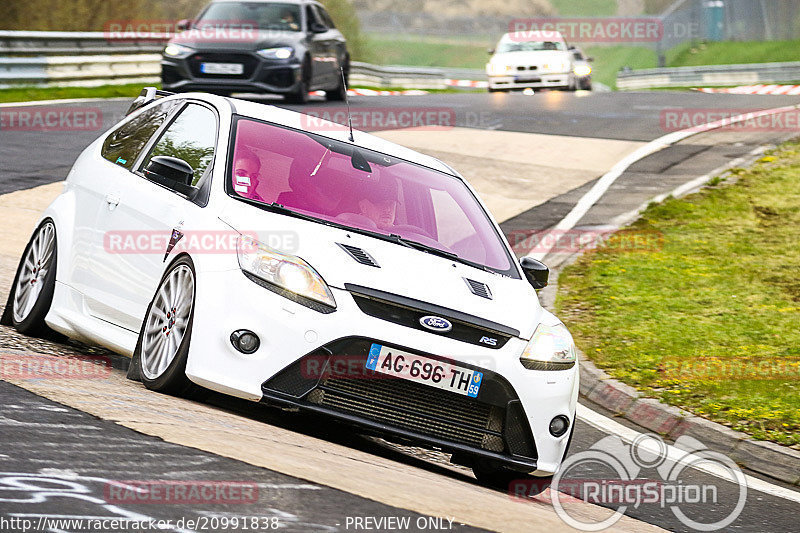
column 585, row 8
column 423, row 52
column 27, row 94
column 729, row 53
column 708, row 319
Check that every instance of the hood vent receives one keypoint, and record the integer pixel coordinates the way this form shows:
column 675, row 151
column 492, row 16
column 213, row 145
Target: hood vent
column 479, row 289
column 359, row 255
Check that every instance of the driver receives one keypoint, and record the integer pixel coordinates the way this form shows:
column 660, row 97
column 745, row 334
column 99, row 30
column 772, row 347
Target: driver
column 288, row 19
column 246, row 168
column 379, row 201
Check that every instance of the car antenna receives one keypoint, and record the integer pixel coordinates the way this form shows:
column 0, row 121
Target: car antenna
column 347, row 101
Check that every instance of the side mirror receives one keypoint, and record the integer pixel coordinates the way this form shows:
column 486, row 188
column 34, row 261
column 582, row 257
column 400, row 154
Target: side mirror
column 589, row 59
column 318, row 28
column 491, row 51
column 536, row 272
column 171, row 172
column 183, row 25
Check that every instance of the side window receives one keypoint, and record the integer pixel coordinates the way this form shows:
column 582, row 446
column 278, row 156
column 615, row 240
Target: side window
column 311, row 16
column 191, row 137
column 124, row 145
column 325, row 17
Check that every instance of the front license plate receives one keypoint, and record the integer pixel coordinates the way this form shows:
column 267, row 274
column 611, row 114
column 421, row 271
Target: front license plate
column 222, row 68
column 527, row 79
column 433, row 373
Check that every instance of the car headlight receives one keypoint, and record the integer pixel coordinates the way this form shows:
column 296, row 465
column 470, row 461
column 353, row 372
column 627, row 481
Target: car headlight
column 582, row 70
column 283, row 52
column 550, row 348
column 288, row 273
column 177, row 50
column 497, row 69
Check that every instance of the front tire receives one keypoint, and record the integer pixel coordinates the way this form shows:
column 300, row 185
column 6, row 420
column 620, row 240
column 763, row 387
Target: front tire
column 300, row 96
column 163, row 347
column 34, row 284
column 339, row 94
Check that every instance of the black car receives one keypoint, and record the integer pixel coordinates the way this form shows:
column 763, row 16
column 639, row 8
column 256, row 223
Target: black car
column 287, row 47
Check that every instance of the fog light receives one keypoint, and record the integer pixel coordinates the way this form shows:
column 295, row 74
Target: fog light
column 559, row 425
column 245, row 341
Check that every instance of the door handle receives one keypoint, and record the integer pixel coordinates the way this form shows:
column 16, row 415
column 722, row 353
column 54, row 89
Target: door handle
column 112, row 200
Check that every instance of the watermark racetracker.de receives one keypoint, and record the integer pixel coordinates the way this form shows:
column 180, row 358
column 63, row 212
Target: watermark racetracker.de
column 607, row 239
column 51, row 119
column 18, row 365
column 646, row 472
column 755, row 120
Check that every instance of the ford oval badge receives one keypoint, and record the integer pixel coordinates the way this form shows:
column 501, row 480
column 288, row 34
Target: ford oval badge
column 436, row 323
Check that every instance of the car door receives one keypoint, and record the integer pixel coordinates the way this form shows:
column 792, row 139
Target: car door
column 97, row 184
column 139, row 229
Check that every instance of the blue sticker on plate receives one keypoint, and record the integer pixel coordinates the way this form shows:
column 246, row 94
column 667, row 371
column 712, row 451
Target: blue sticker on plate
column 475, row 385
column 374, row 353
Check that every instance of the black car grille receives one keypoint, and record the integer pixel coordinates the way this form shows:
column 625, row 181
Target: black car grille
column 415, row 407
column 248, row 61
column 278, row 77
column 407, row 312
column 494, row 421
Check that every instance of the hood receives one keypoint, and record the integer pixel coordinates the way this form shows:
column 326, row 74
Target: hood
column 402, row 271
column 530, row 58
column 244, row 42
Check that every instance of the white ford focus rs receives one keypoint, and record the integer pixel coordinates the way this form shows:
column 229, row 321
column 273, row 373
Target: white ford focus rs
column 247, row 249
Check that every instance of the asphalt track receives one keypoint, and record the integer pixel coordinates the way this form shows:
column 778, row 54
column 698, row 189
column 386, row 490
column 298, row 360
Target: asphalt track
column 42, row 438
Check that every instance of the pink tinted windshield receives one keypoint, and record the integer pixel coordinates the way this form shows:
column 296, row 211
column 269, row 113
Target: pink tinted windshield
column 325, row 179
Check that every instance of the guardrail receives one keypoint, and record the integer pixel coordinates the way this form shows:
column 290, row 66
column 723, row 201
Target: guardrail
column 97, row 58
column 705, row 76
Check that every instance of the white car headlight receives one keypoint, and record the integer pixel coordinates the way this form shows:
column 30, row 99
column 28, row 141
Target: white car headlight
column 582, row 70
column 287, row 272
column 550, row 348
column 177, row 50
column 283, row 52
column 497, row 69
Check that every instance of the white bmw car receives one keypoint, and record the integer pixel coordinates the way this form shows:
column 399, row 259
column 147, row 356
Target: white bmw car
column 229, row 245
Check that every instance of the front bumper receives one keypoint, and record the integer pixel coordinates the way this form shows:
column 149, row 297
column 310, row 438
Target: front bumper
column 522, row 401
column 530, row 81
column 259, row 74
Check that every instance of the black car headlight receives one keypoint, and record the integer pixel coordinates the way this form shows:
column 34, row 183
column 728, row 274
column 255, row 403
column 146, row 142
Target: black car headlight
column 282, row 52
column 177, row 51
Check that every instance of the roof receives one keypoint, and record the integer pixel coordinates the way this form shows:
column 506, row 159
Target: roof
column 533, row 36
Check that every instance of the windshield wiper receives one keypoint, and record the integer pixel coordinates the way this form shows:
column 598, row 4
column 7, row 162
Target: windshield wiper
column 437, row 251
column 279, row 208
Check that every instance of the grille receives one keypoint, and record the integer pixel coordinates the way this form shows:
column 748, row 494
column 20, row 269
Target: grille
column 248, row 61
column 335, row 378
column 479, row 289
column 410, row 318
column 359, row 255
column 415, row 407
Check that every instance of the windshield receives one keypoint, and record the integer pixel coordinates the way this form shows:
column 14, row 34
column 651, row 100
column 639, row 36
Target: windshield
column 530, row 46
column 355, row 187
column 264, row 16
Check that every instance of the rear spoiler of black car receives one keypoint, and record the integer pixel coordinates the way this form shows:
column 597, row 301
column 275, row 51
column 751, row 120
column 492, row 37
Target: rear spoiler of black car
column 147, row 96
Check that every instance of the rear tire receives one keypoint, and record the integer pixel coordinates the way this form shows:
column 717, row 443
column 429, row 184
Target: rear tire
column 163, row 346
column 34, row 284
